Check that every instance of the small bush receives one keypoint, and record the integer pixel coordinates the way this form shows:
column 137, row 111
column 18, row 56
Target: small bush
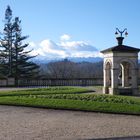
column 88, row 97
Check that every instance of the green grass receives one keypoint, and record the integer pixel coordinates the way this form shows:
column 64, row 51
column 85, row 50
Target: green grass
column 89, row 97
column 69, row 98
column 44, row 91
column 72, row 104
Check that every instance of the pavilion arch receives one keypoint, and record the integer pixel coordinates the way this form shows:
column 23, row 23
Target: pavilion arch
column 126, row 74
column 108, row 67
column 133, row 65
column 106, row 63
column 127, row 68
column 107, row 74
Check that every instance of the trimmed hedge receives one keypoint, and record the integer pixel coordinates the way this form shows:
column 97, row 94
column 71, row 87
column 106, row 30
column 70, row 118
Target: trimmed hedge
column 89, row 97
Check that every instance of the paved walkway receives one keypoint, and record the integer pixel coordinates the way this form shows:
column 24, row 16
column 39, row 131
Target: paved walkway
column 22, row 123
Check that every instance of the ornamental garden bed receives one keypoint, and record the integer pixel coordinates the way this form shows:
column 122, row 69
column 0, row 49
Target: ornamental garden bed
column 71, row 98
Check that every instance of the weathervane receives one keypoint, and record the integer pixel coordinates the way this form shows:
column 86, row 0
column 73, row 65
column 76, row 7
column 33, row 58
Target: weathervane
column 121, row 32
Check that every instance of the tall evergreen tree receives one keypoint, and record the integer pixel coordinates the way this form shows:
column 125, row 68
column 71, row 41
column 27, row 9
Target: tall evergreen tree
column 22, row 67
column 6, row 44
column 15, row 59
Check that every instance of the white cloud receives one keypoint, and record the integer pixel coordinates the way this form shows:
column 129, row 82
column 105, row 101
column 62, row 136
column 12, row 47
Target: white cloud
column 65, row 48
column 86, row 54
column 65, row 37
column 78, row 46
column 50, row 49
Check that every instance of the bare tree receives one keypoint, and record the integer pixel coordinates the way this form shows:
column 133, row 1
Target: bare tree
column 66, row 69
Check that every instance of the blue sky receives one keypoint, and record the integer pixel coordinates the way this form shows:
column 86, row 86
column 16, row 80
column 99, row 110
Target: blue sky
column 70, row 27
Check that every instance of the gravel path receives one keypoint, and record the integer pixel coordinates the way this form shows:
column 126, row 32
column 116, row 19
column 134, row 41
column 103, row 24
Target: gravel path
column 21, row 123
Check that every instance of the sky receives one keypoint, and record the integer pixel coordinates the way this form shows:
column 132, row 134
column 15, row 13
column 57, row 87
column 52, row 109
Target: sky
column 74, row 28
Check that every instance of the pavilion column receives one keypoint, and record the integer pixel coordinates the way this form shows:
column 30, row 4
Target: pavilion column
column 105, row 78
column 134, row 78
column 105, row 88
column 125, row 76
column 135, row 81
column 114, row 81
column 108, row 77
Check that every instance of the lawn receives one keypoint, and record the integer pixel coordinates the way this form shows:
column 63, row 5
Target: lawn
column 73, row 98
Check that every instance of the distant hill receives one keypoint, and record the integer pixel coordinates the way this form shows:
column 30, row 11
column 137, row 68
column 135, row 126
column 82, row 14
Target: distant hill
column 87, row 59
column 73, row 59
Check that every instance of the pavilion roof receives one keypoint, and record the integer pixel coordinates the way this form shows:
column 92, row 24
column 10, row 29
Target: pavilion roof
column 121, row 48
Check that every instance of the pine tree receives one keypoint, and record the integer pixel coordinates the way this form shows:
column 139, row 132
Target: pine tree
column 15, row 57
column 6, row 44
column 22, row 67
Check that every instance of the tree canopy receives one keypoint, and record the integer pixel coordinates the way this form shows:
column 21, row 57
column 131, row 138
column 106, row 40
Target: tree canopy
column 15, row 57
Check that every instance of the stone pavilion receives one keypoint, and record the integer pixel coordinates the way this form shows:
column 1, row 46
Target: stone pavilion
column 120, row 68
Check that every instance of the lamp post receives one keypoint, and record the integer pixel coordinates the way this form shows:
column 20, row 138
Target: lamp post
column 121, row 32
column 119, row 35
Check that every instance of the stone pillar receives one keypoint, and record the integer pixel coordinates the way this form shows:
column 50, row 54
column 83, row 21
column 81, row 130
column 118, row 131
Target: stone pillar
column 125, row 76
column 123, row 80
column 107, row 77
column 114, row 82
column 105, row 88
column 135, row 81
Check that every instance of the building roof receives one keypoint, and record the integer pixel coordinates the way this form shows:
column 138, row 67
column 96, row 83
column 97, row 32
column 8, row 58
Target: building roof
column 121, row 48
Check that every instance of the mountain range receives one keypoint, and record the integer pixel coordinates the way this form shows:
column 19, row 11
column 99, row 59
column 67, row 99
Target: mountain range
column 73, row 59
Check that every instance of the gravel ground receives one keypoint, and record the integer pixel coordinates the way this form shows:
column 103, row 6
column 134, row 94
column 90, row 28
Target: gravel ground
column 22, row 123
